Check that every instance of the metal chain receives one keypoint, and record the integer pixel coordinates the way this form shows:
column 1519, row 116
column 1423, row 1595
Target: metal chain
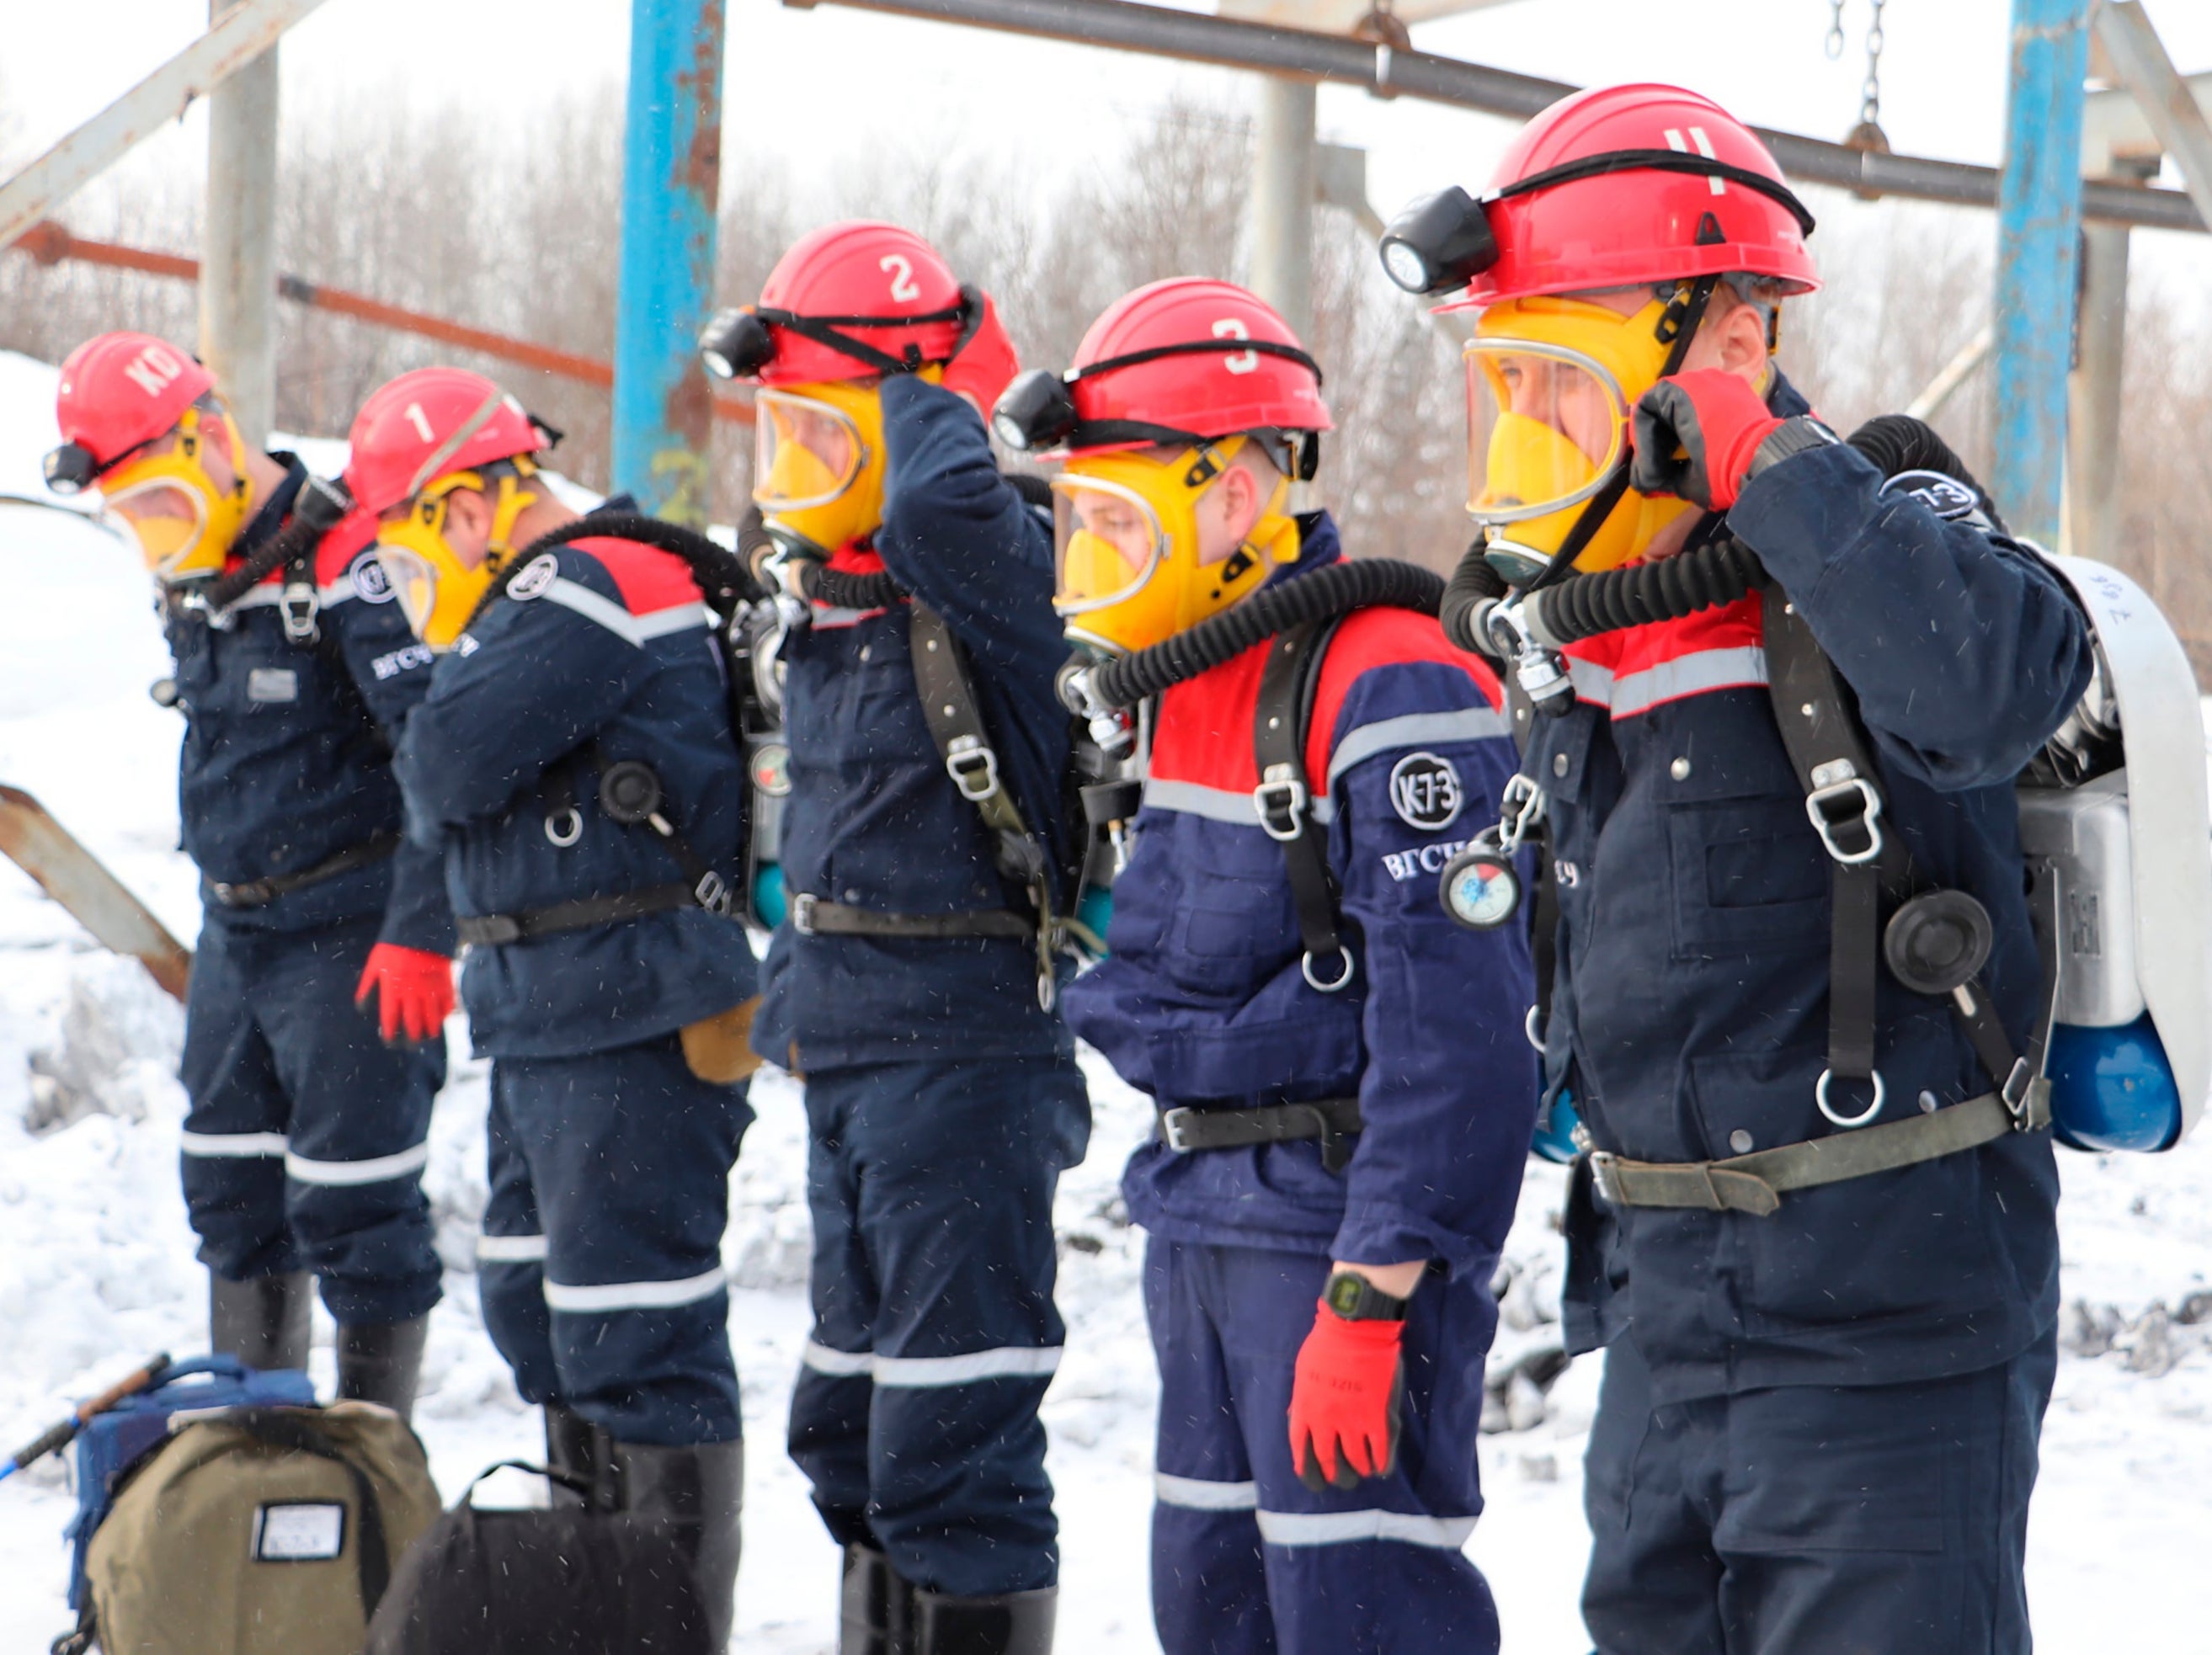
column 1870, row 93
column 1834, row 43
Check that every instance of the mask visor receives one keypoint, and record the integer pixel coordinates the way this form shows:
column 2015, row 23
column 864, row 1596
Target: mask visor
column 806, row 454
column 1106, row 542
column 414, row 582
column 1546, row 426
column 167, row 518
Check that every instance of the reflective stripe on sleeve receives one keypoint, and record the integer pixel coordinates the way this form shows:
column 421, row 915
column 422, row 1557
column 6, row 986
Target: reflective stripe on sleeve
column 929, row 1372
column 232, row 1146
column 510, row 1249
column 635, row 629
column 1214, row 803
column 1471, row 723
column 1346, row 1528
column 635, row 1295
column 1697, row 674
column 340, row 1173
column 1201, row 1495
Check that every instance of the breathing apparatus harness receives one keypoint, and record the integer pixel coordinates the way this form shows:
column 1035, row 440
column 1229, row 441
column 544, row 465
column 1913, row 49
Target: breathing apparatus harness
column 1935, row 940
column 629, row 791
column 943, row 681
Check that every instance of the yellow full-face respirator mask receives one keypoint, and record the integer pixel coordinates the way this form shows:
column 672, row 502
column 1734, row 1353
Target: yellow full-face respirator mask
column 818, row 459
column 1131, row 567
column 185, row 524
column 437, row 588
column 1550, row 382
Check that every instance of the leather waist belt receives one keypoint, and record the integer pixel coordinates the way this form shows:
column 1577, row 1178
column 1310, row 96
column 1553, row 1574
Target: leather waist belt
column 260, row 893
column 1332, row 1120
column 482, row 930
column 1756, row 1183
column 812, row 916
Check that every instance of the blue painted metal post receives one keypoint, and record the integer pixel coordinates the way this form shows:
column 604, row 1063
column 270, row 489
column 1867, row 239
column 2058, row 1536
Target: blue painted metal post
column 2039, row 241
column 672, row 174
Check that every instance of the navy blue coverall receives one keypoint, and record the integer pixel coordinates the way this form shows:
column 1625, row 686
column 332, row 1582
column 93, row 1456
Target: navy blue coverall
column 1818, row 1429
column 307, row 1138
column 1201, row 1003
column 600, row 1263
column 942, row 1103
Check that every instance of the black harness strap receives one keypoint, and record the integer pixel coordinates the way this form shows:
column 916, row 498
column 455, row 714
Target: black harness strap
column 810, row 916
column 260, row 893
column 1335, row 1122
column 956, row 724
column 1283, row 798
column 495, row 930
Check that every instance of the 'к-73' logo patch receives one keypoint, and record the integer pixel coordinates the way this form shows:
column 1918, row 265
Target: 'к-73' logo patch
column 1424, row 792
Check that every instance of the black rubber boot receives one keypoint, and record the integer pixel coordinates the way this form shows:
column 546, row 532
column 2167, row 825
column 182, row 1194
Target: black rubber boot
column 1019, row 1623
column 575, row 1444
column 875, row 1611
column 382, row 1362
column 701, row 1486
column 264, row 1322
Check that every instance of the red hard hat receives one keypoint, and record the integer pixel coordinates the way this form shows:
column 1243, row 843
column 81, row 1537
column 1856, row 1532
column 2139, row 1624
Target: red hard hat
column 855, row 277
column 430, row 423
column 120, row 390
column 1626, row 221
column 1213, row 391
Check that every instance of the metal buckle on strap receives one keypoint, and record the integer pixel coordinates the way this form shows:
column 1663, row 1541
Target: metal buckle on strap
column 298, row 605
column 1281, row 799
column 1602, row 1174
column 1172, row 1122
column 802, row 912
column 246, row 894
column 2022, row 1095
column 973, row 766
column 1820, row 1099
column 492, row 929
column 1838, row 784
column 713, row 893
column 1520, row 809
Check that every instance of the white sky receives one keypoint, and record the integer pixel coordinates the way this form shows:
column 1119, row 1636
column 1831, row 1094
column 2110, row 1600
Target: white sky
column 810, row 90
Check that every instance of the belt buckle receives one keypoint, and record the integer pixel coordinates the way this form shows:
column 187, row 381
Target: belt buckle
column 221, row 892
column 1602, row 1175
column 802, row 913
column 713, row 893
column 1172, row 1122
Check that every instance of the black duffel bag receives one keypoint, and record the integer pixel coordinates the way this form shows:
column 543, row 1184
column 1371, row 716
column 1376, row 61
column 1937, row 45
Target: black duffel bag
column 565, row 1581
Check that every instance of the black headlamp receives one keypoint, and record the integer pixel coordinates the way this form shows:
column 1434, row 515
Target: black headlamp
column 70, row 469
column 1035, row 412
column 1439, row 242
column 736, row 344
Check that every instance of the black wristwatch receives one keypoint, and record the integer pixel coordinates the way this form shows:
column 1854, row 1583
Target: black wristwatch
column 1356, row 1298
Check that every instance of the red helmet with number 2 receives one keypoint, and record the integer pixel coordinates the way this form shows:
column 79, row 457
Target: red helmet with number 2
column 1631, row 225
column 429, row 423
column 862, row 274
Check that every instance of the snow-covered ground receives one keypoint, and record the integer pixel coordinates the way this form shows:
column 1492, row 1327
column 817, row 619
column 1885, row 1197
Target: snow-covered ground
column 96, row 1268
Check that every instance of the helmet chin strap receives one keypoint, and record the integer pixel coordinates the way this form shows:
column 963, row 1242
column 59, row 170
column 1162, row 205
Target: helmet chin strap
column 1678, row 325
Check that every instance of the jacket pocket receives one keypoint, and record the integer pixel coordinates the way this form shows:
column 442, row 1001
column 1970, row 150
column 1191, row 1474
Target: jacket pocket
column 1229, row 935
column 1746, row 874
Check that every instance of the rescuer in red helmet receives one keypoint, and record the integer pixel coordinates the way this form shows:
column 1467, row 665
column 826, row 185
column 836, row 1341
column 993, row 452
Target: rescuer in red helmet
column 304, row 1147
column 1345, row 1091
column 929, row 876
column 574, row 764
column 1783, row 685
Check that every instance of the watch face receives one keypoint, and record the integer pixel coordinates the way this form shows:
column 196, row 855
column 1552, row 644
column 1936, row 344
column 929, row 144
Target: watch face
column 1344, row 1295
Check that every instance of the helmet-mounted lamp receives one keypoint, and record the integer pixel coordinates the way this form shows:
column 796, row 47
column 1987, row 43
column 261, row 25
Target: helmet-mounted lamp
column 70, row 469
column 1037, row 412
column 1439, row 242
column 735, row 344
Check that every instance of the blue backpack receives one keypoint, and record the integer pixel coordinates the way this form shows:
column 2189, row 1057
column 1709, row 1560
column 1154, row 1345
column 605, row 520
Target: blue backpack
column 118, row 1439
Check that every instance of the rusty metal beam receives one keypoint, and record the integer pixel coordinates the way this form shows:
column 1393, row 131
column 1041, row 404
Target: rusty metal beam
column 52, row 244
column 2169, row 107
column 233, row 40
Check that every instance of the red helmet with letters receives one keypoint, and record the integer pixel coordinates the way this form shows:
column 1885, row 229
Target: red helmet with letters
column 1195, row 358
column 121, row 391
column 429, row 424
column 1625, row 185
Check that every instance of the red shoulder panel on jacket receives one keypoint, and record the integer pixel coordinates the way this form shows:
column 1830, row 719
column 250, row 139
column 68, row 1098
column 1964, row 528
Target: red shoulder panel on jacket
column 1204, row 732
column 1380, row 637
column 648, row 578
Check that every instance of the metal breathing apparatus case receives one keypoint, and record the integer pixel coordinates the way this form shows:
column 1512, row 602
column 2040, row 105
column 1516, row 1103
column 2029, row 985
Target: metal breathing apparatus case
column 2114, row 814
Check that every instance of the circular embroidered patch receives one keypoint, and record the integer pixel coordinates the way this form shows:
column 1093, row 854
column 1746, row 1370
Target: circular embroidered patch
column 1424, row 792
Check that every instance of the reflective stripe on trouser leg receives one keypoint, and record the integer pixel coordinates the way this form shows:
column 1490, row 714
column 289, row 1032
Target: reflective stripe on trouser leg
column 930, row 1185
column 511, row 1262
column 1374, row 1569
column 627, row 1156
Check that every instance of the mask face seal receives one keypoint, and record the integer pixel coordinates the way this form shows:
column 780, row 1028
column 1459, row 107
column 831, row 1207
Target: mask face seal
column 437, row 591
column 183, row 525
column 1127, row 545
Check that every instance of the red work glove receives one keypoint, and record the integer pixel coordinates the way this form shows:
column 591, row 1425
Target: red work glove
column 417, row 991
column 1345, row 1399
column 1716, row 420
column 987, row 366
